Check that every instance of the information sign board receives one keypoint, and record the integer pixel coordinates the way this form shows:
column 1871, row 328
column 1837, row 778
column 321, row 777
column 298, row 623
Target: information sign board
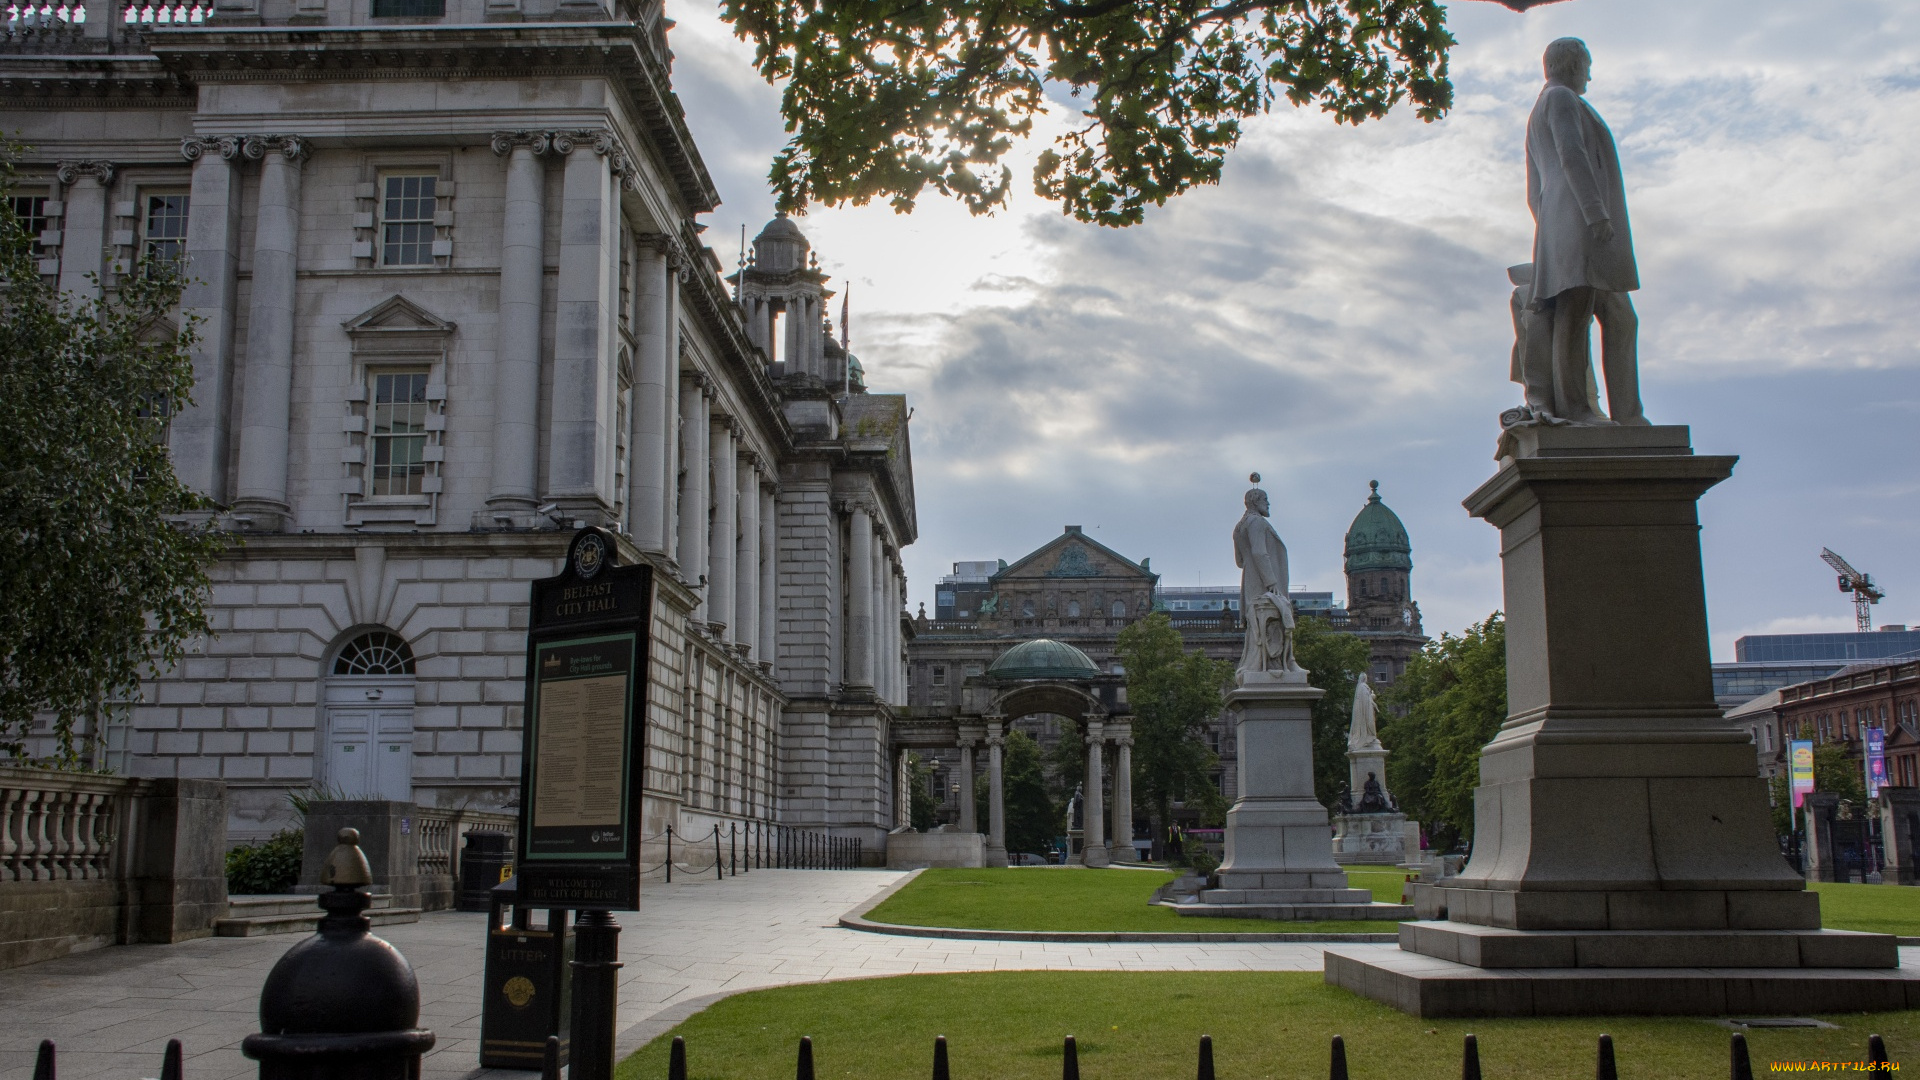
column 1876, row 761
column 584, row 750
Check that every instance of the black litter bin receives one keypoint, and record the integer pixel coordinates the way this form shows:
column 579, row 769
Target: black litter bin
column 528, row 984
column 485, row 861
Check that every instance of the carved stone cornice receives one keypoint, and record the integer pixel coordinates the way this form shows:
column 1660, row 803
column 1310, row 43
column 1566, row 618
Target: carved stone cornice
column 69, row 171
column 503, row 142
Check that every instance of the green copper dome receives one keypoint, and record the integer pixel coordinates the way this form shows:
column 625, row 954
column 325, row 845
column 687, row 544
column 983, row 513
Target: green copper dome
column 1376, row 540
column 1042, row 658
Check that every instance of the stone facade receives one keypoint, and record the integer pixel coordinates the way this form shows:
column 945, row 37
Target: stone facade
column 451, row 302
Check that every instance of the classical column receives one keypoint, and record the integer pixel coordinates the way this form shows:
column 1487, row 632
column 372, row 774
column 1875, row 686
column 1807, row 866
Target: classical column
column 769, row 579
column 859, row 636
column 877, row 639
column 1093, row 850
column 264, row 418
column 996, row 854
column 1122, row 845
column 693, row 486
column 653, row 384
column 199, row 431
column 516, row 366
column 83, row 224
column 903, row 783
column 580, row 409
column 969, row 815
column 720, row 579
column 746, row 596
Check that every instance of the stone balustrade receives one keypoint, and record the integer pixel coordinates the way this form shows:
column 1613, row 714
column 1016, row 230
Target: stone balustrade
column 441, row 834
column 89, row 860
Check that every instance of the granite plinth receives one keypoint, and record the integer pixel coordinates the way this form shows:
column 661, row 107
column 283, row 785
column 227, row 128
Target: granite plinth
column 1428, row 986
column 1296, row 911
column 1496, row 947
column 1286, row 896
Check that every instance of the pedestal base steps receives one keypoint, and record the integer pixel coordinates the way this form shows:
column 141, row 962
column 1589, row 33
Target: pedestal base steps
column 1428, row 986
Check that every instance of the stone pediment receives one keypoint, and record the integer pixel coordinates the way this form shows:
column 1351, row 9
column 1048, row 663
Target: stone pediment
column 397, row 324
column 1073, row 554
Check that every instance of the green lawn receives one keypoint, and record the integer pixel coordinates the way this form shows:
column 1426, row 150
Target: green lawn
column 1068, row 898
column 1265, row 1026
column 1882, row 909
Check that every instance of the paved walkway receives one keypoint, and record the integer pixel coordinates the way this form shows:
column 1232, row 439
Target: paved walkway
column 112, row 1011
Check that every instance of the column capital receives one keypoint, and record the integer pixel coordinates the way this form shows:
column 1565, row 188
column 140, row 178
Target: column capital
column 71, row 170
column 504, row 142
column 965, row 743
column 292, row 147
column 194, row 148
column 605, row 143
column 1093, row 730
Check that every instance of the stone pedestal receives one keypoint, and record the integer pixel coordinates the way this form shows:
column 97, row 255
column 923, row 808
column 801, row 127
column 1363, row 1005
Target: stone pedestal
column 1375, row 839
column 1279, row 859
column 1619, row 821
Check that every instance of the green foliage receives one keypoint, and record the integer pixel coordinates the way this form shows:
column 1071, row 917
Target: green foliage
column 1334, row 661
column 1175, row 695
column 886, row 97
column 271, row 866
column 1844, row 776
column 96, row 579
column 1454, row 697
column 921, row 805
column 1033, row 818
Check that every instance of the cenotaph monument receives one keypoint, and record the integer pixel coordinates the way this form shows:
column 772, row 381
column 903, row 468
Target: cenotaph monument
column 1370, row 829
column 1279, row 846
column 1623, row 857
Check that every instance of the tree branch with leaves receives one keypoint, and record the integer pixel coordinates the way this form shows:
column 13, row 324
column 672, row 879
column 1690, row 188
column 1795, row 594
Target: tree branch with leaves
column 886, row 98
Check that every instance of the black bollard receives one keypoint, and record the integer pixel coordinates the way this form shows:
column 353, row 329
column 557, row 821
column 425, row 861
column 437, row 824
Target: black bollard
column 1205, row 1071
column 1470, row 1059
column 1070, row 1061
column 342, row 1003
column 1603, row 1065
column 1337, row 1069
column 940, row 1058
column 804, row 1069
column 550, row 1059
column 170, row 1064
column 43, row 1062
column 1742, row 1066
column 677, row 1060
column 1877, row 1050
column 596, row 991
column 733, row 848
column 669, row 854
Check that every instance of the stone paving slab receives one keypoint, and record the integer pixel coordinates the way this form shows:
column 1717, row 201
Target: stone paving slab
column 111, row 1011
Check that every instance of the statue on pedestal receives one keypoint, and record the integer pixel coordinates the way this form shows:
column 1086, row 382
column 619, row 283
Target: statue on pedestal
column 1361, row 735
column 1583, row 265
column 1262, row 559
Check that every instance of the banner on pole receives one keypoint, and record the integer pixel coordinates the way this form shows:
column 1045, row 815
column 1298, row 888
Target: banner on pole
column 1800, row 769
column 1876, row 761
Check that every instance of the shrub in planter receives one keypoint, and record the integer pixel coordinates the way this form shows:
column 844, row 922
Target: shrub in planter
column 271, row 866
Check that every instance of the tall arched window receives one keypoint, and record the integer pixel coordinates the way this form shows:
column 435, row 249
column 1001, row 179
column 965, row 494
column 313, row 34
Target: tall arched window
column 376, row 652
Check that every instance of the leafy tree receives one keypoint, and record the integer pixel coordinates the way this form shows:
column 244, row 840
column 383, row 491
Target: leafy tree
column 1033, row 818
column 1175, row 695
column 886, row 97
column 921, row 807
column 1334, row 662
column 96, row 579
column 1454, row 697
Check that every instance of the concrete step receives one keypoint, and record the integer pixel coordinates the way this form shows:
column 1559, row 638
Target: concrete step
column 1497, row 947
column 257, row 916
column 1298, row 912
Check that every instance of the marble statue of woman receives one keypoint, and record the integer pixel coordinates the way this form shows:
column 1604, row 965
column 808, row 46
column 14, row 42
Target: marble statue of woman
column 1262, row 558
column 1361, row 735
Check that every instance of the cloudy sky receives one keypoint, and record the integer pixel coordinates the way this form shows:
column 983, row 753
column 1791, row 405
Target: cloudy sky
column 1335, row 311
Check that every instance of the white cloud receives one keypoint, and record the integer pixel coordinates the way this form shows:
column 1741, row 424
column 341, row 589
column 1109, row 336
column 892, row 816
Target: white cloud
column 1335, row 310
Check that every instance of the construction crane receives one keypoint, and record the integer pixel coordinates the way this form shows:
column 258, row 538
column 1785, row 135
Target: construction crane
column 1865, row 592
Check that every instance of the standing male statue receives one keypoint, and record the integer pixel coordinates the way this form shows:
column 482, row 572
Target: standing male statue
column 1362, row 735
column 1583, row 264
column 1262, row 560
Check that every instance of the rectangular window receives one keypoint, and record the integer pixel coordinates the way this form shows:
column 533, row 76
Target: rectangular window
column 939, row 674
column 398, row 442
column 32, row 212
column 406, row 220
column 397, row 9
column 163, row 227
